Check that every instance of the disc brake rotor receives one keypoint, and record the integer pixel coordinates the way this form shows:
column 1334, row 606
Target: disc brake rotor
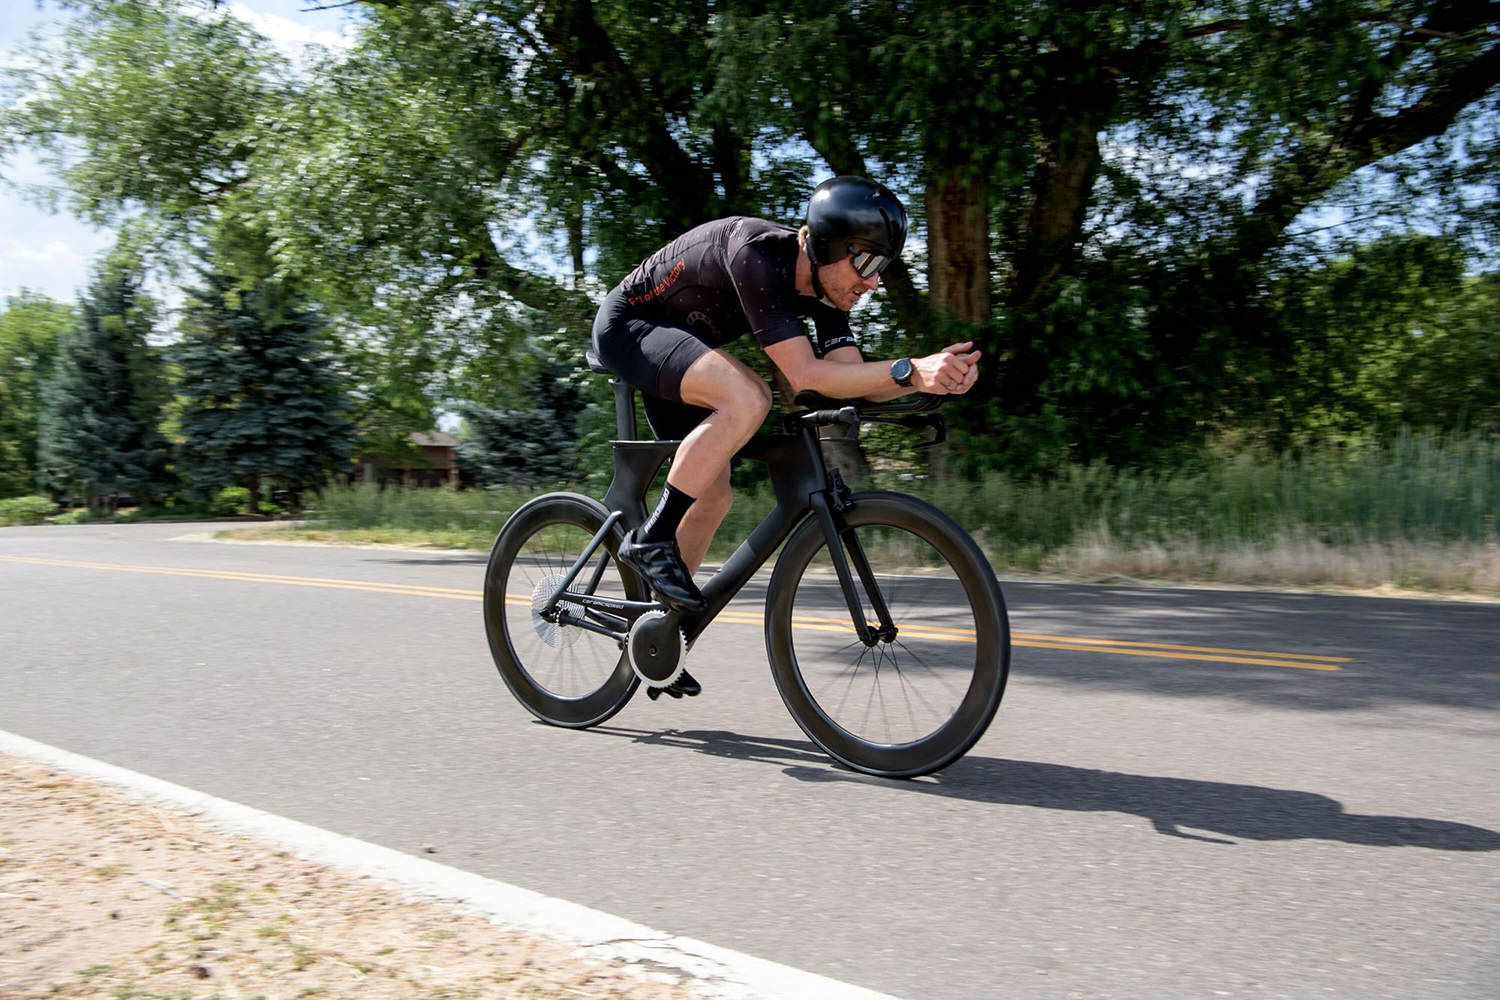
column 555, row 635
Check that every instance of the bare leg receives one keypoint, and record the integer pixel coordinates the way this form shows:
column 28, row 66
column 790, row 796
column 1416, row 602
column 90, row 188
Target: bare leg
column 702, row 520
column 740, row 400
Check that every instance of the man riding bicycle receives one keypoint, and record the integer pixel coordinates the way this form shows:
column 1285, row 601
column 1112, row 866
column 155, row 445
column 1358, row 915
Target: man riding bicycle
column 662, row 331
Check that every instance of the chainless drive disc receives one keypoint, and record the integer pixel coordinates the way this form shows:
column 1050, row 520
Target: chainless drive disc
column 657, row 648
column 555, row 635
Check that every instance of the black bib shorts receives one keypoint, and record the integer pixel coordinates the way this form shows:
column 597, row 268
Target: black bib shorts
column 651, row 357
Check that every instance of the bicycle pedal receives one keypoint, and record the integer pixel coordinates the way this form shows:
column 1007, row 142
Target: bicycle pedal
column 684, row 686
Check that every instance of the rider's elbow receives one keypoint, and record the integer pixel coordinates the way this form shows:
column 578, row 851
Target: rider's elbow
column 808, row 377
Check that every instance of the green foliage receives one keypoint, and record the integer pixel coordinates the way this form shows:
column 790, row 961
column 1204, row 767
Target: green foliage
column 1423, row 488
column 1140, row 217
column 528, row 445
column 477, row 514
column 26, row 510
column 30, row 326
column 261, row 404
column 98, row 436
column 229, row 501
column 147, row 104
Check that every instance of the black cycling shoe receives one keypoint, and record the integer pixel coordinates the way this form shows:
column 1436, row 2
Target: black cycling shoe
column 662, row 566
column 683, row 685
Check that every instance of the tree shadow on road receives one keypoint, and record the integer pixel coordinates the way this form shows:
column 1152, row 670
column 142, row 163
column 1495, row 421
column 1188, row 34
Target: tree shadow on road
column 1174, row 806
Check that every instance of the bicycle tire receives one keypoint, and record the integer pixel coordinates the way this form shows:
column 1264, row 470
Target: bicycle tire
column 974, row 586
column 521, row 565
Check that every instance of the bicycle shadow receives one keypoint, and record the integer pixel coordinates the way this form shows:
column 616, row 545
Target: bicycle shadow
column 1172, row 805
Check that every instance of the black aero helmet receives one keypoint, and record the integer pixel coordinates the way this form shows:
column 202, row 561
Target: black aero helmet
column 845, row 210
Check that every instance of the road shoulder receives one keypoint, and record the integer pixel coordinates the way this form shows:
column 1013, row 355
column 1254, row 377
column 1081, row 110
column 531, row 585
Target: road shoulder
column 116, row 883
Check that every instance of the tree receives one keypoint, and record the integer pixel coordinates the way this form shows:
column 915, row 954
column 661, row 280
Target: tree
column 15, row 475
column 101, row 405
column 531, row 444
column 1106, row 193
column 30, row 325
column 261, row 405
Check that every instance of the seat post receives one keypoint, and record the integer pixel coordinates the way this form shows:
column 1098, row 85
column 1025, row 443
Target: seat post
column 624, row 410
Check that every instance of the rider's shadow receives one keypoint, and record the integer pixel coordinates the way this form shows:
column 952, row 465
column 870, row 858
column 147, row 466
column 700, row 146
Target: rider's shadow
column 1172, row 805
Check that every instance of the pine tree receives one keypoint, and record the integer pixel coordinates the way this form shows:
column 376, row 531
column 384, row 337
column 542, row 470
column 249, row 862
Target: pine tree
column 529, row 445
column 98, row 432
column 15, row 476
column 262, row 405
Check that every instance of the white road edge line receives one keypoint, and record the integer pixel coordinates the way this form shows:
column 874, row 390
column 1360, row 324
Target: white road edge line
column 704, row 968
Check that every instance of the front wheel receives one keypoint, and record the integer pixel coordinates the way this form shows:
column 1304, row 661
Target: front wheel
column 909, row 704
column 563, row 674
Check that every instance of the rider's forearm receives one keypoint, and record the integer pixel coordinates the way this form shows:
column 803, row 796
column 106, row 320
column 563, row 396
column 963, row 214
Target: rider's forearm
column 852, row 379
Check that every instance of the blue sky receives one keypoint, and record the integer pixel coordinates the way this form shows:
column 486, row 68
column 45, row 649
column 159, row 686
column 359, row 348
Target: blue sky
column 52, row 253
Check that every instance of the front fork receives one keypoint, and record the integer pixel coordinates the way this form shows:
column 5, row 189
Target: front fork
column 828, row 507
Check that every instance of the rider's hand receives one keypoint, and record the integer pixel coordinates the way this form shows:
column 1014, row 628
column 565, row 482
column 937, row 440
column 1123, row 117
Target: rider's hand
column 952, row 370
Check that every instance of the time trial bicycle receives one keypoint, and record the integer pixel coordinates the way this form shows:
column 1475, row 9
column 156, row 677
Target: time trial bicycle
column 885, row 627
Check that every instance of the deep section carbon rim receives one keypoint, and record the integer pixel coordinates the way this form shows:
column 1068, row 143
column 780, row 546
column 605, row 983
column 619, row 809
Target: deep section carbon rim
column 909, row 703
column 562, row 673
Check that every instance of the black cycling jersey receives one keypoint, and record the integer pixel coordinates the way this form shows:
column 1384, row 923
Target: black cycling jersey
column 724, row 279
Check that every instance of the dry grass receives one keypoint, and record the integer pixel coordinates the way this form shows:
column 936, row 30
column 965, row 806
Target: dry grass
column 1291, row 561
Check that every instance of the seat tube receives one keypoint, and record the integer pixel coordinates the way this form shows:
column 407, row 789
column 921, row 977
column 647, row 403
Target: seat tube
column 624, row 410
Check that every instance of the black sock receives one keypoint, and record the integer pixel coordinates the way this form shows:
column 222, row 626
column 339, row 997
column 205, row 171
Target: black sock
column 661, row 526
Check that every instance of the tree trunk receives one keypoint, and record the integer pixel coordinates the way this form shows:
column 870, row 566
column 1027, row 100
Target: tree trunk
column 254, row 507
column 575, row 243
column 958, row 249
column 1067, row 162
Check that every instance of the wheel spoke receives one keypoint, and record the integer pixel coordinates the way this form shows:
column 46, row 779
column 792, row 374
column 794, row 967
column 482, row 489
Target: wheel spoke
column 893, row 694
column 547, row 654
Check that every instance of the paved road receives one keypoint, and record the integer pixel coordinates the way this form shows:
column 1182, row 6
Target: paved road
column 1140, row 821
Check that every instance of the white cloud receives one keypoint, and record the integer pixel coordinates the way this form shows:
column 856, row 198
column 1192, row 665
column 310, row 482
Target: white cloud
column 53, row 253
column 54, row 267
column 292, row 38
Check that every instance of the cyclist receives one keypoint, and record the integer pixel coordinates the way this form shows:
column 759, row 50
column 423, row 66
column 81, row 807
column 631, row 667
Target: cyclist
column 662, row 331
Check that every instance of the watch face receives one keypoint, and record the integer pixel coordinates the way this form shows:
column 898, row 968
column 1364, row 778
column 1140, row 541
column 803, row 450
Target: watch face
column 901, row 371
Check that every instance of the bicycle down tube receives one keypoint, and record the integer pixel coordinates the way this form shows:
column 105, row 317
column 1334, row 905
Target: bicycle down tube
column 800, row 481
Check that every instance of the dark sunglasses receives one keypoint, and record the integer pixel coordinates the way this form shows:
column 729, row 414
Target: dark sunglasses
column 867, row 263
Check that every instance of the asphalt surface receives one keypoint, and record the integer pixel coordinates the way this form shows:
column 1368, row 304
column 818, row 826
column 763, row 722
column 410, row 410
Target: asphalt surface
column 1140, row 821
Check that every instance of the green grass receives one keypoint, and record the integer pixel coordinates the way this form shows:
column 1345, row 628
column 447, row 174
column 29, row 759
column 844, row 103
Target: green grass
column 1404, row 508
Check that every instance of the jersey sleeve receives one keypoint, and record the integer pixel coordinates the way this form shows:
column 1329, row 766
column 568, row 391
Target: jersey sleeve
column 833, row 330
column 760, row 285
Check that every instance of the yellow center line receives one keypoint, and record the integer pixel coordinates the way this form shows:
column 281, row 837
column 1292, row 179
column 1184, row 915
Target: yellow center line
column 1123, row 647
column 413, row 590
column 1068, row 642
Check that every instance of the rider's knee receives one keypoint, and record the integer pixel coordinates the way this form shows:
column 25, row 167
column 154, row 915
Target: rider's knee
column 751, row 401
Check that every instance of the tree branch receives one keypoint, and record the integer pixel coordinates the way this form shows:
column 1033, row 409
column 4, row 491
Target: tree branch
column 1361, row 142
column 1155, row 45
column 580, row 41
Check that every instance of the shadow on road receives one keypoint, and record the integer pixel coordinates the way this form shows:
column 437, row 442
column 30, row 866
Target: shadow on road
column 1174, row 806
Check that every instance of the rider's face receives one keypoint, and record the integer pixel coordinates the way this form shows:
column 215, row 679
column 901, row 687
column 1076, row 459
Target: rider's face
column 843, row 285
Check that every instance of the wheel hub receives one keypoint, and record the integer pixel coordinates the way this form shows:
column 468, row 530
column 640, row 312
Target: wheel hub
column 553, row 634
column 657, row 648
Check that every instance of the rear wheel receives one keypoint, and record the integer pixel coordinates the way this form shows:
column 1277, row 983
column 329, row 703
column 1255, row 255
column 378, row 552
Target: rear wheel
column 911, row 704
column 563, row 674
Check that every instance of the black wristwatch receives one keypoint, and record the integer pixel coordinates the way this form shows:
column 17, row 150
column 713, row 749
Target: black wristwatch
column 901, row 371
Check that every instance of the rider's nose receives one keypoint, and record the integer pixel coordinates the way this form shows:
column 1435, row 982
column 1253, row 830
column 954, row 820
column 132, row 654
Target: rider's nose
column 872, row 282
